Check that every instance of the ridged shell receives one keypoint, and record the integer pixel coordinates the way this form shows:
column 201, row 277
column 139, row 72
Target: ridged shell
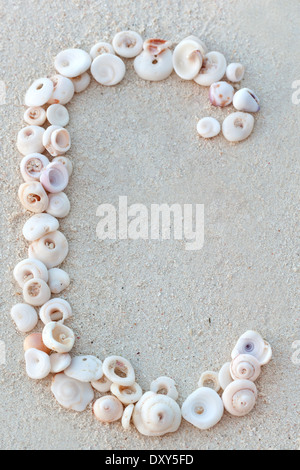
column 252, row 343
column 239, row 397
column 245, row 366
column 108, row 409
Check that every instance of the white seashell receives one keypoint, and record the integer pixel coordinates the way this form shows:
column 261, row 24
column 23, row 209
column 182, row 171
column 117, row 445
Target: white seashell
column 128, row 394
column 154, row 66
column 55, row 177
column 209, row 379
column 245, row 366
column 59, row 280
column 58, row 115
column 156, row 46
column 30, row 140
column 39, row 225
column 252, row 343
column 166, row 386
column 208, row 127
column 246, row 100
column 201, row 46
column 101, row 48
column 37, row 364
column 235, row 72
column 59, row 205
column 81, row 82
column 56, row 140
column 39, row 92
column 72, row 62
column 85, row 369
column 108, row 69
column 35, row 116
column 25, row 317
column 58, row 337
column 237, row 126
column 108, row 409
column 57, row 310
column 128, row 44
column 203, row 408
column 33, row 197
column 221, row 94
column 239, row 397
column 102, row 385
column 187, row 58
column 30, row 269
column 63, row 90
column 65, row 161
column 127, row 415
column 70, row 393
column 51, row 249
column 213, row 69
column 32, row 165
column 119, row 370
column 225, row 376
column 59, row 362
column 36, row 292
column 156, row 415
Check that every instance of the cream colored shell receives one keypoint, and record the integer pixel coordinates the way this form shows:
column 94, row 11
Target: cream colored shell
column 152, row 67
column 187, row 58
column 108, row 69
column 58, row 281
column 55, row 310
column 208, row 127
column 32, row 165
column 108, row 409
column 221, row 94
column 126, row 417
column 30, row 140
column 71, row 394
column 58, row 337
column 119, row 370
column 37, row 364
column 39, row 92
column 66, row 162
column 203, row 408
column 239, row 397
column 166, row 386
column 35, row 116
column 59, row 362
column 85, row 368
column 237, row 126
column 246, row 100
column 101, row 48
column 58, row 115
column 30, row 269
column 81, row 82
column 39, row 225
column 59, row 205
column 213, row 69
column 35, row 341
column 25, row 317
column 102, row 385
column 245, row 366
column 235, row 72
column 51, row 249
column 209, row 379
column 127, row 394
column 33, row 197
column 36, row 292
column 56, row 140
column 72, row 62
column 225, row 376
column 63, row 90
column 252, row 343
column 127, row 44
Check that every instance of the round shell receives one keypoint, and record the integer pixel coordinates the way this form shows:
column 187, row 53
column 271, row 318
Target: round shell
column 39, row 225
column 58, row 337
column 63, row 90
column 55, row 177
column 252, row 343
column 85, row 369
column 35, row 341
column 39, row 93
column 66, row 162
column 208, row 127
column 209, row 379
column 101, row 48
column 221, row 94
column 213, row 69
column 225, row 376
column 245, row 366
column 235, row 72
column 203, row 408
column 33, row 197
column 58, row 115
column 153, row 67
column 128, row 394
column 35, row 116
column 237, row 126
column 72, row 62
column 59, row 362
column 36, row 292
column 25, row 317
column 81, row 83
column 119, row 370
column 127, row 415
column 51, row 249
column 56, row 140
column 166, row 386
column 59, row 205
column 70, row 393
column 32, row 165
column 58, row 281
column 108, row 69
column 102, row 385
column 37, row 364
column 30, row 269
column 30, row 140
column 127, row 44
column 187, row 58
column 246, row 100
column 239, row 397
column 55, row 310
column 108, row 409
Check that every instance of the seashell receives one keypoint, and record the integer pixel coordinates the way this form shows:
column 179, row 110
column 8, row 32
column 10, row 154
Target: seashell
column 246, row 100
column 30, row 269
column 237, row 126
column 59, row 362
column 55, row 177
column 213, row 69
column 32, row 165
column 72, row 62
column 245, row 366
column 126, row 417
column 58, row 115
column 101, row 48
column 187, row 58
column 55, row 310
column 225, row 376
column 127, row 394
column 35, row 341
column 119, row 370
column 221, row 94
column 201, row 46
column 25, row 317
column 165, row 386
column 57, row 140
column 85, row 369
column 35, row 116
column 65, row 161
column 33, row 197
column 128, row 44
column 37, row 364
column 108, row 409
column 58, row 337
column 156, row 415
column 208, row 127
column 108, row 69
column 239, row 397
column 59, row 205
column 203, row 408
column 154, row 65
column 59, row 280
column 30, row 140
column 156, row 46
column 63, row 90
column 36, row 292
column 51, row 249
column 70, row 393
column 235, row 72
column 81, row 82
column 252, row 343
column 209, row 379
column 102, row 385
column 39, row 225
column 39, row 92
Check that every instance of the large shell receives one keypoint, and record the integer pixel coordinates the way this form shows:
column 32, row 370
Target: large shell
column 37, row 364
column 85, row 368
column 35, row 116
column 72, row 394
column 127, row 44
column 39, row 225
column 55, row 177
column 208, row 127
column 57, row 310
column 25, row 317
column 59, row 280
column 119, row 370
column 39, row 92
column 166, row 386
column 32, row 166
column 127, row 395
column 245, row 366
column 239, row 397
column 246, row 100
column 33, row 197
column 203, row 408
column 108, row 69
column 72, row 62
column 56, row 140
column 63, row 90
column 187, row 58
column 30, row 140
column 30, row 269
column 51, row 249
column 59, row 205
column 252, row 343
column 36, row 292
column 108, row 409
column 213, row 70
column 58, row 337
column 154, row 66
column 237, row 126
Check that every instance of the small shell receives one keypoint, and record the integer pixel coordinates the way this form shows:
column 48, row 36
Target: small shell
column 32, row 165
column 209, row 379
column 72, row 62
column 246, row 100
column 154, row 67
column 35, row 341
column 25, row 317
column 224, row 376
column 237, row 126
column 30, row 269
column 102, row 385
column 187, row 58
column 59, row 280
column 33, row 197
column 119, row 370
column 245, row 366
column 30, row 140
column 65, row 161
column 36, row 292
column 208, row 127
column 128, row 394
column 39, row 225
column 127, row 44
column 59, row 362
column 39, row 92
column 252, row 343
column 213, row 70
column 37, row 364
column 55, row 310
column 101, row 48
column 59, row 205
column 108, row 409
column 239, row 397
column 56, row 140
column 63, row 90
column 81, row 82
column 58, row 337
column 85, row 369
column 58, row 115
column 221, row 94
column 203, row 408
column 52, row 249
column 201, row 46
column 70, row 393
column 55, row 177
column 156, row 46
column 127, row 415
column 166, row 386
column 108, row 69
column 35, row 116
column 235, row 72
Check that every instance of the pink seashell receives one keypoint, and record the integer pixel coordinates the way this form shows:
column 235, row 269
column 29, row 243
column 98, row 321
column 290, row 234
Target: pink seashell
column 55, row 177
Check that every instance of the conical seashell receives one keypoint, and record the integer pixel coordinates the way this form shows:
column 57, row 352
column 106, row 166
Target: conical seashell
column 235, row 72
column 127, row 44
column 70, row 393
column 154, row 66
column 59, row 280
column 245, row 366
column 30, row 269
column 208, row 127
column 39, row 225
column 30, row 140
column 156, row 415
column 58, row 337
column 237, row 126
column 56, row 140
column 52, row 249
column 32, row 165
column 101, row 48
column 108, row 69
column 85, row 369
column 37, row 364
column 119, row 370
column 39, row 92
column 108, row 409
column 239, row 397
column 57, row 310
column 252, row 343
column 36, row 292
column 225, row 376
column 128, row 394
column 209, row 379
column 63, row 90
column 25, row 317
column 187, row 58
column 55, row 177
column 203, row 408
column 72, row 62
column 246, row 100
column 35, row 341
column 65, row 161
column 213, row 69
column 81, row 83
column 58, row 115
column 33, row 197
column 102, row 385
column 59, row 362
column 126, row 417
column 35, row 116
column 59, row 205
column 221, row 94
column 166, row 386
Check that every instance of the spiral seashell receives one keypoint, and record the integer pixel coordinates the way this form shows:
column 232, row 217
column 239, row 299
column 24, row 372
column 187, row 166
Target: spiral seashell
column 59, row 205
column 119, row 371
column 51, row 249
column 72, row 62
column 59, row 362
column 127, row 44
column 156, row 415
column 252, row 343
column 58, row 115
column 56, row 140
column 209, row 379
column 246, row 100
column 126, row 417
column 55, row 310
column 33, row 197
column 55, row 177
column 239, row 397
column 208, row 127
column 71, row 394
column 203, row 408
column 81, row 82
column 58, row 337
column 30, row 269
column 30, row 140
column 108, row 409
column 154, row 65
column 237, row 126
column 59, row 280
column 101, row 48
column 245, row 366
column 108, row 69
column 32, row 165
column 85, row 369
column 127, row 394
column 235, row 72
column 37, row 364
column 35, row 341
column 165, row 386
column 35, row 116
column 102, row 385
column 221, row 94
column 39, row 225
column 36, row 292
column 225, row 376
column 39, row 92
column 63, row 90
column 25, row 317
column 187, row 58
column 213, row 69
